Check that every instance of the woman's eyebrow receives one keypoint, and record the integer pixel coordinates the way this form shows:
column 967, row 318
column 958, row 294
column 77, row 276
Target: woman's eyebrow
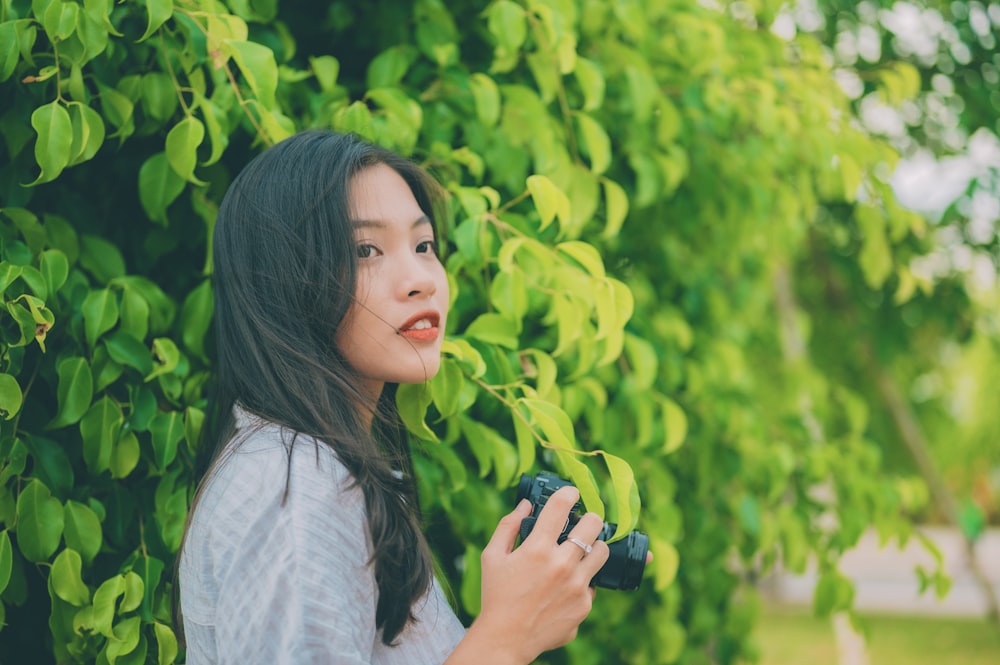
column 381, row 224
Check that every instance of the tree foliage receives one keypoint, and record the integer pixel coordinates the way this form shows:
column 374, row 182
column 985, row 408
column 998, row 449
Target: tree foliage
column 924, row 75
column 631, row 184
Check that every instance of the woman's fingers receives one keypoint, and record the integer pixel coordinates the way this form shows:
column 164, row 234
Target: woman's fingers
column 584, row 534
column 505, row 535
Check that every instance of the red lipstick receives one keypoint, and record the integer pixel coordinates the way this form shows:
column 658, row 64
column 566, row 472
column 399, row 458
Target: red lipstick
column 422, row 327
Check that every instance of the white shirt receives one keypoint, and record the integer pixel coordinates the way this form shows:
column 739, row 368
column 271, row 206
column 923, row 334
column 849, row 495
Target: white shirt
column 262, row 582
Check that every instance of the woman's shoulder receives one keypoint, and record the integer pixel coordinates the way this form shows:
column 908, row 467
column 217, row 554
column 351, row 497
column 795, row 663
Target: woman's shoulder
column 256, row 437
column 265, row 463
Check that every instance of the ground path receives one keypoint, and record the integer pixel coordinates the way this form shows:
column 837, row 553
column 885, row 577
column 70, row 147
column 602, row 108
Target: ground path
column 886, row 581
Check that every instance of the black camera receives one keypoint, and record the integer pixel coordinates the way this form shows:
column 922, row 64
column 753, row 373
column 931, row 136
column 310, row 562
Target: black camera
column 625, row 565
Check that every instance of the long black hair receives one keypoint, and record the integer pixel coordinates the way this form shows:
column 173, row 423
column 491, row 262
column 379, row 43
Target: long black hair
column 285, row 266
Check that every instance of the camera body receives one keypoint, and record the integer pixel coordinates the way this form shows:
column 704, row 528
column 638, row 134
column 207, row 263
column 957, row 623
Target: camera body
column 627, row 561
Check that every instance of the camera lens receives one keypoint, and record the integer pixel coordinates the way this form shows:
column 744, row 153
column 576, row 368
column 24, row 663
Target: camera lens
column 626, row 563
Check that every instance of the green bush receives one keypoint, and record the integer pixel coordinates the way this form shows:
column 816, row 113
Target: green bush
column 629, row 180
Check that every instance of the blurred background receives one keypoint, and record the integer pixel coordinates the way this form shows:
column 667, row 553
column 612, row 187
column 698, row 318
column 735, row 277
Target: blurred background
column 731, row 264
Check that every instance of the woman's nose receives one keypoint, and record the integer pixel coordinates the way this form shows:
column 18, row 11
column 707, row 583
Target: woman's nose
column 418, row 280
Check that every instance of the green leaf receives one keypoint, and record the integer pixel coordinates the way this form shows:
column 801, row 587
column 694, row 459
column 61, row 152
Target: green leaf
column 570, row 317
column 99, row 429
column 580, row 475
column 61, row 235
column 6, row 559
column 196, row 317
column 150, row 569
column 23, row 330
column 39, row 522
column 487, row 96
column 472, row 579
column 437, row 35
column 159, row 185
column 124, row 455
column 100, row 314
column 525, row 437
column 591, row 80
column 389, row 67
column 67, row 581
column 10, row 396
column 134, row 591
column 194, row 420
column 549, row 200
column 105, row 600
column 542, row 368
column 217, row 126
column 9, row 272
column 158, row 11
column 259, row 68
column 167, row 430
column 492, row 451
column 36, row 282
column 127, row 350
column 8, row 49
column 75, row 390
column 494, row 328
column 88, row 133
column 596, row 143
column 585, row 254
column 665, row 563
column 134, row 314
column 61, row 19
column 54, row 128
column 166, row 644
column 875, row 257
column 833, row 593
column 626, row 495
column 674, row 424
column 161, row 307
column 165, row 357
column 615, row 207
column 82, row 530
column 54, row 266
column 51, row 464
column 604, row 302
column 125, row 643
column 182, row 145
column 466, row 355
column 509, row 294
column 551, row 423
column 446, row 388
column 118, row 109
column 507, row 23
column 326, row 69
column 412, row 400
column 101, row 258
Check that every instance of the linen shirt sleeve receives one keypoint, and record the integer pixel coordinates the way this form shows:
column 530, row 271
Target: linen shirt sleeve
column 291, row 582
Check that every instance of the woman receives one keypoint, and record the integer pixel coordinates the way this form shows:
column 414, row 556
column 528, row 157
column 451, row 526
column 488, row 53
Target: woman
column 304, row 542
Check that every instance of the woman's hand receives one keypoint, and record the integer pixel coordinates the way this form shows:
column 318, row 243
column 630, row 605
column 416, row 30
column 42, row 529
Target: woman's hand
column 534, row 597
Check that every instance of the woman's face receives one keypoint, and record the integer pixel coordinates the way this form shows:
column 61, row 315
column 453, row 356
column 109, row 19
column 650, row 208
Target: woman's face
column 394, row 329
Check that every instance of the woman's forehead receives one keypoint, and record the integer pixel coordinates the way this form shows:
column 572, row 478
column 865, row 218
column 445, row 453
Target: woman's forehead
column 379, row 193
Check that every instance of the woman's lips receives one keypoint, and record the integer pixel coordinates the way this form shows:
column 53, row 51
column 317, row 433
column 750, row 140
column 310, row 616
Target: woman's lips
column 421, row 328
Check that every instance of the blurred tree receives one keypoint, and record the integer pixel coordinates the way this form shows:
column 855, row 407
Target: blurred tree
column 668, row 231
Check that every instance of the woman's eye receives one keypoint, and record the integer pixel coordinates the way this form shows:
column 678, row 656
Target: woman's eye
column 367, row 251
column 427, row 246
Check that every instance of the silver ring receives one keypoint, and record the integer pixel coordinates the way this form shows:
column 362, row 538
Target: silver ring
column 582, row 545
